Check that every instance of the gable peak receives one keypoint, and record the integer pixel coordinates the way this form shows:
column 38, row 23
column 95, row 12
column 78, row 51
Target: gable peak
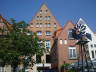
column 44, row 6
column 69, row 22
column 81, row 21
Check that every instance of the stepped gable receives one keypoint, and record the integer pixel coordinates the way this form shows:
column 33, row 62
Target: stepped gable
column 4, row 24
column 44, row 18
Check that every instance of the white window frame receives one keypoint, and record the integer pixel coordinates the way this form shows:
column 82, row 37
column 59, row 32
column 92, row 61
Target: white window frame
column 55, row 25
column 61, row 41
column 40, row 25
column 48, row 33
column 40, row 11
column 65, row 41
column 39, row 33
column 71, row 50
column 40, row 18
column 48, row 25
column 47, row 44
column 70, row 31
column 37, row 17
column 37, row 24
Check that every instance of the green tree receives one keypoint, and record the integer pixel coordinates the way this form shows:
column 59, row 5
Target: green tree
column 19, row 45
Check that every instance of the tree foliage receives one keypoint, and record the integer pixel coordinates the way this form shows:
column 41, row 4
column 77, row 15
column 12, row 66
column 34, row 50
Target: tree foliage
column 19, row 45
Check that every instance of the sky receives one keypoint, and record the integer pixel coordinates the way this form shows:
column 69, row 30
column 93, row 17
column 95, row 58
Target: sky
column 63, row 10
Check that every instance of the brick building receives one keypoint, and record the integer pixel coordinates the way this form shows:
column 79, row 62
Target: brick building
column 64, row 49
column 44, row 24
column 5, row 27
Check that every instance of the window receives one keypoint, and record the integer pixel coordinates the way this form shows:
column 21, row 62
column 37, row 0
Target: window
column 40, row 11
column 31, row 25
column 37, row 18
column 70, row 34
column 29, row 33
column 48, row 17
column 61, row 41
column 1, row 69
column 47, row 44
column 48, row 59
column 65, row 41
column 92, row 54
column 38, row 58
column 46, row 10
column 55, row 25
column 95, row 52
column 72, row 53
column 40, row 24
column 45, row 18
column 39, row 33
column 91, row 45
column 40, row 43
column 37, row 25
column 45, row 25
column 95, row 45
column 48, row 33
column 40, row 17
column 48, row 25
column 1, row 20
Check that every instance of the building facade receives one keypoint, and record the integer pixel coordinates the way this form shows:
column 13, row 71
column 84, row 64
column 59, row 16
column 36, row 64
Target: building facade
column 5, row 27
column 44, row 24
column 64, row 49
column 92, row 43
column 58, row 41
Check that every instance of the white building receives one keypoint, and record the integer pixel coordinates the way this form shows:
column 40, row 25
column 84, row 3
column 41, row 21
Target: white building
column 91, row 43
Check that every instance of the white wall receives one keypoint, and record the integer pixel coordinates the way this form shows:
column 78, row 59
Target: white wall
column 88, row 30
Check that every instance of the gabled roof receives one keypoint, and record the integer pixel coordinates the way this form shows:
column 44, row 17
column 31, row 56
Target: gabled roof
column 8, row 25
column 45, row 7
column 67, row 24
column 87, row 30
column 59, row 31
